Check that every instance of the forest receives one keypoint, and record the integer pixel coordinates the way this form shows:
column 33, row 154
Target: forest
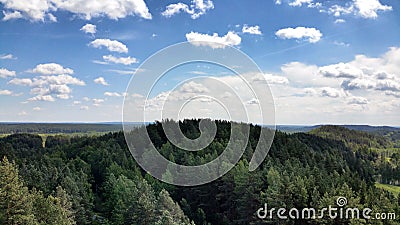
column 95, row 180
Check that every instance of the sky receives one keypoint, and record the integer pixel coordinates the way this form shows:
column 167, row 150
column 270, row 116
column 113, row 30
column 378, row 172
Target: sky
column 328, row 62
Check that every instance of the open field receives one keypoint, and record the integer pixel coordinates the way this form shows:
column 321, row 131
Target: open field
column 391, row 188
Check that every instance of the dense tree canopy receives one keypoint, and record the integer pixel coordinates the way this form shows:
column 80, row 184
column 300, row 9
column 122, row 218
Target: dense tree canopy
column 95, row 180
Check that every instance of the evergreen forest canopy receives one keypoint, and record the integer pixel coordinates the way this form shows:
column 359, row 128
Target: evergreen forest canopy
column 95, row 180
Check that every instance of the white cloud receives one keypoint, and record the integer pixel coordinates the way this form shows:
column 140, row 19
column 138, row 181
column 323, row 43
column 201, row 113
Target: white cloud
column 47, row 88
column 340, row 70
column 44, row 98
column 7, row 56
column 303, row 75
column 120, row 60
column 89, row 28
column 271, row 79
column 84, row 107
column 364, row 8
column 278, row 2
column 111, row 45
column 37, row 109
column 51, row 17
column 299, row 3
column 369, row 8
column 101, row 80
column 33, row 10
column 193, row 87
column 213, row 41
column 51, row 69
column 176, row 8
column 196, row 9
column 330, row 92
column 11, row 15
column 40, row 10
column 313, row 35
column 112, row 94
column 356, row 100
column 340, row 21
column 21, row 82
column 97, row 101
column 322, row 92
column 125, row 72
column 251, row 29
column 6, row 92
column 338, row 10
column 100, row 62
column 58, row 79
column 4, row 73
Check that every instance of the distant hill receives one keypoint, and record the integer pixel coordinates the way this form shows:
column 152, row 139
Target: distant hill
column 56, row 128
column 393, row 133
column 351, row 137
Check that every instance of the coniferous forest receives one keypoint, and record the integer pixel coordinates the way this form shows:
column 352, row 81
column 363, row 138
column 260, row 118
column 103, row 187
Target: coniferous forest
column 95, row 180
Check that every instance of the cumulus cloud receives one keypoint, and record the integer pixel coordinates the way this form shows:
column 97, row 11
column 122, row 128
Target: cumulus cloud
column 251, row 29
column 271, row 79
column 311, row 34
column 51, row 69
column 21, row 82
column 101, row 80
column 43, row 98
column 111, row 45
column 299, row 3
column 4, row 73
column 37, row 109
column 11, row 15
column 195, row 10
column 120, row 60
column 6, row 92
column 330, row 92
column 176, row 8
column 49, row 87
column 367, row 9
column 213, row 41
column 89, row 29
column 340, row 70
column 41, row 10
column 193, row 87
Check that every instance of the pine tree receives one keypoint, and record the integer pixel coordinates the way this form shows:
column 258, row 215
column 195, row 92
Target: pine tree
column 169, row 212
column 15, row 199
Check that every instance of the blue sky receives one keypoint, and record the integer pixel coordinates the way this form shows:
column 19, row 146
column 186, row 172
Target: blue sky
column 326, row 62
